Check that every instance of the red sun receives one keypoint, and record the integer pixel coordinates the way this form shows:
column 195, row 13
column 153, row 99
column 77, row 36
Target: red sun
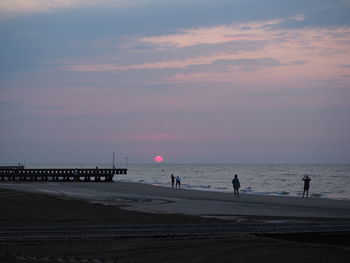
column 158, row 159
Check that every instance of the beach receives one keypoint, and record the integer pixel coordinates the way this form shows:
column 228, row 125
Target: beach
column 128, row 127
column 158, row 199
column 91, row 204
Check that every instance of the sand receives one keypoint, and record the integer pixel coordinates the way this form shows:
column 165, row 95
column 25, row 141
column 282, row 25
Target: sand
column 158, row 199
column 41, row 204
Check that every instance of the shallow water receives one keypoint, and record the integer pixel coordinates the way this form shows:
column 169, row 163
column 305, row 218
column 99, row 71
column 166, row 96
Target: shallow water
column 331, row 181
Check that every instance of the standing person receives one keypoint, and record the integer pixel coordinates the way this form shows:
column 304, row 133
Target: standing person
column 178, row 182
column 306, row 180
column 236, row 185
column 172, row 180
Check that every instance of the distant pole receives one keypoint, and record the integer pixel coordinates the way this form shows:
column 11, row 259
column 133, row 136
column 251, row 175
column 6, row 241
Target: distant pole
column 113, row 160
column 126, row 162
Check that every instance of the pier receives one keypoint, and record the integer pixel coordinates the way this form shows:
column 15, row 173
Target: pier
column 20, row 173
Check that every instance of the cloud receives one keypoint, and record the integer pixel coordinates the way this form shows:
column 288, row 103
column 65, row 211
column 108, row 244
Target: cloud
column 252, row 46
column 65, row 29
column 226, row 65
column 214, row 35
column 21, row 7
column 219, row 65
column 270, row 30
column 344, row 66
column 15, row 8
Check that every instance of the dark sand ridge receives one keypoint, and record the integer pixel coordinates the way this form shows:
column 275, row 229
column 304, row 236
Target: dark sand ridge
column 156, row 199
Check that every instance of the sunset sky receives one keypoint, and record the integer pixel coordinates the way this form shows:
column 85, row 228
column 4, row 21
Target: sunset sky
column 196, row 81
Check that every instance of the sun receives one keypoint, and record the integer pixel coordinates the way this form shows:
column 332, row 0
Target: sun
column 158, row 159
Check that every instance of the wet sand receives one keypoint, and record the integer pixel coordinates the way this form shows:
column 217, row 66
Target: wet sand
column 157, row 199
column 71, row 204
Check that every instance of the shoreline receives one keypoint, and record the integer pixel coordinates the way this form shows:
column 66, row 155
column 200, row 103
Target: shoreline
column 158, row 199
column 328, row 180
column 243, row 192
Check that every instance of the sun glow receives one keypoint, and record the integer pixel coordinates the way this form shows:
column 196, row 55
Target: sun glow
column 158, row 159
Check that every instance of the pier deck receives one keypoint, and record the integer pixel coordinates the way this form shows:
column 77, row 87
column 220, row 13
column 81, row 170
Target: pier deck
column 19, row 173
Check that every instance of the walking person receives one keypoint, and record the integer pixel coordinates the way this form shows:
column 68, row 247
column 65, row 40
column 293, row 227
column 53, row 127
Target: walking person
column 172, row 177
column 306, row 180
column 236, row 185
column 178, row 182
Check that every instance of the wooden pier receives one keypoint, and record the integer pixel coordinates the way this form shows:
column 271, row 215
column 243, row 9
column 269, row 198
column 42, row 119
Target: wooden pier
column 19, row 173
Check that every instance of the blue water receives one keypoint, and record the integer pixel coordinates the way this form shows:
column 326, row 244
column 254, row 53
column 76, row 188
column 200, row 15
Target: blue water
column 327, row 181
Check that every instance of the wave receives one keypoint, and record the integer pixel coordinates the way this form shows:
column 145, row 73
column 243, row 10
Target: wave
column 265, row 193
column 316, row 195
column 193, row 186
column 247, row 190
column 283, row 193
column 309, row 175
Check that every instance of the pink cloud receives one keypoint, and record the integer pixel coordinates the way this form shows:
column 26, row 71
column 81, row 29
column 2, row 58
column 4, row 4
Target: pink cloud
column 215, row 35
column 321, row 51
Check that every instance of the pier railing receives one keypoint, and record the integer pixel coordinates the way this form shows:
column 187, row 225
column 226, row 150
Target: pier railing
column 11, row 167
column 18, row 173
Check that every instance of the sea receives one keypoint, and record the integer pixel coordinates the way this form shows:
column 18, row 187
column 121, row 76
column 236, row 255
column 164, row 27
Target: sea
column 327, row 181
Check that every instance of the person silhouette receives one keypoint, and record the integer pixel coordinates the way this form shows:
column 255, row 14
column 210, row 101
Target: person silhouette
column 306, row 180
column 236, row 185
column 172, row 177
column 178, row 182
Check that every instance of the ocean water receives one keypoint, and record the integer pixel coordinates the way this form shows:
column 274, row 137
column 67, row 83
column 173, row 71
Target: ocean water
column 327, row 181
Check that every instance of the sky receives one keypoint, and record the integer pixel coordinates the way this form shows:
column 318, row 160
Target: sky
column 195, row 81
